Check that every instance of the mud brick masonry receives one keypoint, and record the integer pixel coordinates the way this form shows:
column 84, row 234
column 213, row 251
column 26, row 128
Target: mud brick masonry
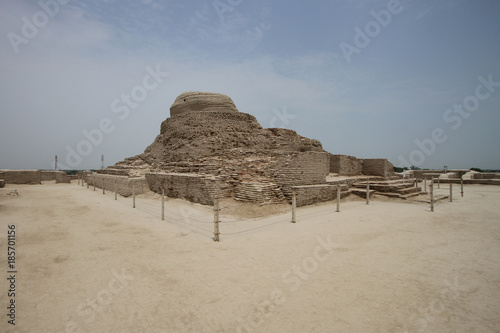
column 32, row 176
column 207, row 148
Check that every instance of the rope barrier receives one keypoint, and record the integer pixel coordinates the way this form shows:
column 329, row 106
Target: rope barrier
column 152, row 209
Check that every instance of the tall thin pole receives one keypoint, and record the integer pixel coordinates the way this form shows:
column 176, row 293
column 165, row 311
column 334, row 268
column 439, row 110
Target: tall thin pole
column 94, row 182
column 115, row 190
column 338, row 198
column 367, row 193
column 462, row 187
column 451, row 191
column 103, row 191
column 55, row 168
column 294, row 205
column 133, row 196
column 432, row 195
column 216, row 220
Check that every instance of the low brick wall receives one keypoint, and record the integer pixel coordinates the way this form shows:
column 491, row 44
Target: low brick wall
column 48, row 175
column 83, row 174
column 62, row 177
column 32, row 177
column 486, row 175
column 311, row 194
column 191, row 187
column 422, row 174
column 262, row 193
column 470, row 181
column 124, row 185
column 57, row 176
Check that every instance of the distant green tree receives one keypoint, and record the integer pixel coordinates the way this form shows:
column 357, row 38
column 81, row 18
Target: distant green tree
column 414, row 168
column 476, row 169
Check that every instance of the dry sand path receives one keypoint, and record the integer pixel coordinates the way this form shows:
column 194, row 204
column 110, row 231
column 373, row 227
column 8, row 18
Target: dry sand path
column 87, row 263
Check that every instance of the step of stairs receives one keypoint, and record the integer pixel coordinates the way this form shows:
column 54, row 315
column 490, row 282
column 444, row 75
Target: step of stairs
column 361, row 192
column 399, row 188
column 410, row 190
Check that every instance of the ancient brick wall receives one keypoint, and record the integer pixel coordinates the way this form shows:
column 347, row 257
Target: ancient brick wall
column 48, row 175
column 308, row 195
column 345, row 165
column 124, row 185
column 84, row 174
column 258, row 192
column 21, row 176
column 191, row 187
column 377, row 167
column 425, row 174
column 486, row 175
column 305, row 168
column 62, row 177
column 57, row 176
column 196, row 101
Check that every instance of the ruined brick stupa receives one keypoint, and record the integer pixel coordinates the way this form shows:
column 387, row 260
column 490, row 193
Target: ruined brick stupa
column 207, row 143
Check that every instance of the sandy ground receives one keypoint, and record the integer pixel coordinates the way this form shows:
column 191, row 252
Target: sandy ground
column 88, row 263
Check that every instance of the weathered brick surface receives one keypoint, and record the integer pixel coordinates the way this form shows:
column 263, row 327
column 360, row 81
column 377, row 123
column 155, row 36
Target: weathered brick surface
column 48, row 175
column 346, row 165
column 192, row 187
column 255, row 192
column 124, row 185
column 377, row 167
column 21, row 176
column 486, row 175
column 57, row 176
column 62, row 177
column 305, row 168
column 196, row 101
column 308, row 195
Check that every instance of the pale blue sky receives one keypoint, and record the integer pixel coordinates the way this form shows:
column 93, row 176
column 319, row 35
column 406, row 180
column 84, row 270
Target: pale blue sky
column 282, row 61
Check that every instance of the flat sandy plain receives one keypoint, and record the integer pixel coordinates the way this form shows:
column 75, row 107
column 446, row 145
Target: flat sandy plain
column 88, row 263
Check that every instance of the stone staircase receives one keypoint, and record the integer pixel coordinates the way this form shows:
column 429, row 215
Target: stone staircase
column 394, row 188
